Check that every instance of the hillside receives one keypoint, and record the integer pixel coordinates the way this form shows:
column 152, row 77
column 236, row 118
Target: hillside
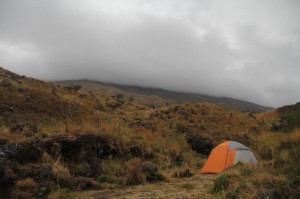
column 157, row 96
column 62, row 142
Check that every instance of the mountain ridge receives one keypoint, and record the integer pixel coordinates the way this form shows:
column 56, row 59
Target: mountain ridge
column 166, row 96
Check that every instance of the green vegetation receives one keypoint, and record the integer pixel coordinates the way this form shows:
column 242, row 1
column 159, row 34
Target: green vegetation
column 290, row 121
column 221, row 183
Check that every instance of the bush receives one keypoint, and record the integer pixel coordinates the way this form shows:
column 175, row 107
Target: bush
column 290, row 121
column 134, row 172
column 221, row 183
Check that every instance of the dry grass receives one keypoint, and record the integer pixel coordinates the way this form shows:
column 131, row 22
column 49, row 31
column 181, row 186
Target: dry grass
column 61, row 172
column 183, row 173
column 24, row 189
column 5, row 133
column 46, row 158
column 57, row 109
column 134, row 173
column 62, row 194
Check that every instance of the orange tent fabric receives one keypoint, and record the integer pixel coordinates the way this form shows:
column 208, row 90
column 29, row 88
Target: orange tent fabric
column 226, row 155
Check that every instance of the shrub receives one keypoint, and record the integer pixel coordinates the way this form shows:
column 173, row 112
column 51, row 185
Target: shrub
column 290, row 121
column 134, row 173
column 221, row 183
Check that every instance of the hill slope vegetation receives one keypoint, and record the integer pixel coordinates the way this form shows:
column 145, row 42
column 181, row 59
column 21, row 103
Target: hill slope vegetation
column 59, row 141
column 157, row 96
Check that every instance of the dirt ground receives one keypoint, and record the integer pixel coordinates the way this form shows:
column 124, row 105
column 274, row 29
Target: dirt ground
column 197, row 186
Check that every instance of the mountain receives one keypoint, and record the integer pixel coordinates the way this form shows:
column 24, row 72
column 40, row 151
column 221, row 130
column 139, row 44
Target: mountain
column 157, row 96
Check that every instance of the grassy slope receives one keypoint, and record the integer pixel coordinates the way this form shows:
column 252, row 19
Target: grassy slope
column 156, row 96
column 56, row 110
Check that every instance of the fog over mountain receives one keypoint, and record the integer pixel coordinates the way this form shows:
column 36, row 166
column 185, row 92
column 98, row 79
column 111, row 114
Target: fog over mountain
column 247, row 50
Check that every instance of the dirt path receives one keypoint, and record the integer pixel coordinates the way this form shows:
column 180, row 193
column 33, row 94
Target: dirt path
column 197, row 186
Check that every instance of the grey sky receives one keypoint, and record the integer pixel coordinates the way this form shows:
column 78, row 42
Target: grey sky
column 243, row 49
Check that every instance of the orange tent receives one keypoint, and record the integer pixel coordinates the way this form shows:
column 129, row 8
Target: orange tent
column 226, row 155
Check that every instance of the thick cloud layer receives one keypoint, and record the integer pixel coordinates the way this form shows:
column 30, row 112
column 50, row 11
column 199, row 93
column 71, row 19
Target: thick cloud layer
column 243, row 49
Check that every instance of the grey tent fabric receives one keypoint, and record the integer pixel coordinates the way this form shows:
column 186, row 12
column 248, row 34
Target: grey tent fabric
column 237, row 145
column 245, row 156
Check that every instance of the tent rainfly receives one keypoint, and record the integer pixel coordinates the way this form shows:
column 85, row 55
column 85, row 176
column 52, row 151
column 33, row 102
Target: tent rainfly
column 226, row 155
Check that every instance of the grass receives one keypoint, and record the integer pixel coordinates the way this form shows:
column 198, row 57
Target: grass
column 134, row 173
column 62, row 173
column 221, row 183
column 57, row 110
column 25, row 188
column 183, row 173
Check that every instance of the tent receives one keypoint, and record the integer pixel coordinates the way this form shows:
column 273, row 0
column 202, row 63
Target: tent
column 226, row 155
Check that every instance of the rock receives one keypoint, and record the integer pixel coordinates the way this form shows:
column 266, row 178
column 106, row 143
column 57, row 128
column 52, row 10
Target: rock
column 199, row 144
column 23, row 152
column 12, row 75
column 3, row 141
column 151, row 171
column 149, row 167
column 136, row 151
column 44, row 188
column 251, row 115
column 7, row 176
column 290, row 109
column 269, row 194
column 82, row 148
column 52, row 148
column 6, row 83
column 113, row 105
column 40, row 173
column 100, row 107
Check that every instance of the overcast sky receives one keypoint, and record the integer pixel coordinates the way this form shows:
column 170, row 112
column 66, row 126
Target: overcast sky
column 242, row 49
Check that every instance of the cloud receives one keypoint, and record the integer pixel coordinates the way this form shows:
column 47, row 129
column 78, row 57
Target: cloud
column 247, row 49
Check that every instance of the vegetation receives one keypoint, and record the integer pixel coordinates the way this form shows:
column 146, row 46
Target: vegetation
column 56, row 141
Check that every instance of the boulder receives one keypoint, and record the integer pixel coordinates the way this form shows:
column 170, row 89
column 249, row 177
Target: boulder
column 199, row 144
column 40, row 173
column 22, row 152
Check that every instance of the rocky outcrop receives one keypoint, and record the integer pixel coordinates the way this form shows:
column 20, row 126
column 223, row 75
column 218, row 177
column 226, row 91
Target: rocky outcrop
column 23, row 152
column 289, row 108
column 199, row 144
column 26, row 160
